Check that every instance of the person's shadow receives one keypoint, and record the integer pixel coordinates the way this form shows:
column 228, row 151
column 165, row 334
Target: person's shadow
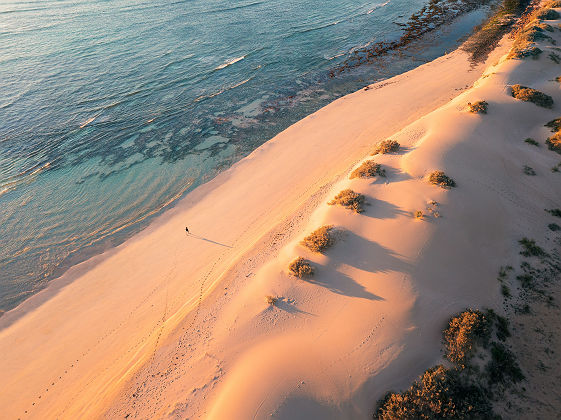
column 207, row 240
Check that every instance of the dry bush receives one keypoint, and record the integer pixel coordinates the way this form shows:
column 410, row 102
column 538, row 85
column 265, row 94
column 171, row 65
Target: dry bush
column 440, row 393
column 320, row 239
column 301, row 268
column 386, row 146
column 368, row 169
column 527, row 94
column 419, row 214
column 545, row 26
column 441, row 179
column 547, row 14
column 554, row 142
column 555, row 124
column 533, row 30
column 487, row 35
column 479, row 107
column 271, row 300
column 350, row 200
column 463, row 333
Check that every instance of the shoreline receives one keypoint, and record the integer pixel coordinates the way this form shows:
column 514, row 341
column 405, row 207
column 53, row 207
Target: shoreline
column 99, row 247
column 131, row 312
column 110, row 296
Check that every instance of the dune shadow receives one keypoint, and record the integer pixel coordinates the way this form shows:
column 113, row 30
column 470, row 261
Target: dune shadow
column 396, row 175
column 368, row 256
column 208, row 240
column 380, row 209
column 287, row 305
column 342, row 284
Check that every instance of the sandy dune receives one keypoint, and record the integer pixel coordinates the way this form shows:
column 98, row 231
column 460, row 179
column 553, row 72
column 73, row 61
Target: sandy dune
column 170, row 325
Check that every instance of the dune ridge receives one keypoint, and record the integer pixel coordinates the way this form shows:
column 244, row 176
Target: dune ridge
column 170, row 325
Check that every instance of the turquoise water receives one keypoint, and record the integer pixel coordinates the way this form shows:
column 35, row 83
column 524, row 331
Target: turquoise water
column 112, row 110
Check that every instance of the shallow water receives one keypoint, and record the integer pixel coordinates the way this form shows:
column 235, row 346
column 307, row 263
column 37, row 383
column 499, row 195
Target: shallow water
column 112, row 110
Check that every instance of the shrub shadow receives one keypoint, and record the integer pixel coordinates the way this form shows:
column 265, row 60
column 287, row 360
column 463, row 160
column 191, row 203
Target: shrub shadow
column 380, row 209
column 369, row 256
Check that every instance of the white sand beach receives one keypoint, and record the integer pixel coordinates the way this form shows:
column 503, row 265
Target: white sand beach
column 170, row 325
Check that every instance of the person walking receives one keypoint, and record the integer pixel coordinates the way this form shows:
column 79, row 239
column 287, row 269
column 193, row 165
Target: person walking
column 186, row 229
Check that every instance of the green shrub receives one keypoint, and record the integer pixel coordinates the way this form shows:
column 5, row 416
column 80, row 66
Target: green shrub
column 530, row 249
column 441, row 179
column 368, row 169
column 301, row 268
column 527, row 94
column 528, row 170
column 386, row 146
column 555, row 212
column 532, row 142
column 503, row 367
column 554, row 227
column 505, row 291
column 320, row 239
column 479, row 107
column 350, row 200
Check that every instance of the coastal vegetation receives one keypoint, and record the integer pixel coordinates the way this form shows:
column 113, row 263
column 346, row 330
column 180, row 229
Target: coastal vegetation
column 350, row 200
column 480, row 368
column 487, row 35
column 528, row 170
column 479, row 107
column 441, row 179
column 368, row 169
column 301, row 268
column 527, row 94
column 320, row 239
column 530, row 249
column 532, row 142
column 386, row 146
column 430, row 17
column 271, row 300
column 554, row 142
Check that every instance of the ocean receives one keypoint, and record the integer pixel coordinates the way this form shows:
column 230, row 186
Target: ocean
column 111, row 111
